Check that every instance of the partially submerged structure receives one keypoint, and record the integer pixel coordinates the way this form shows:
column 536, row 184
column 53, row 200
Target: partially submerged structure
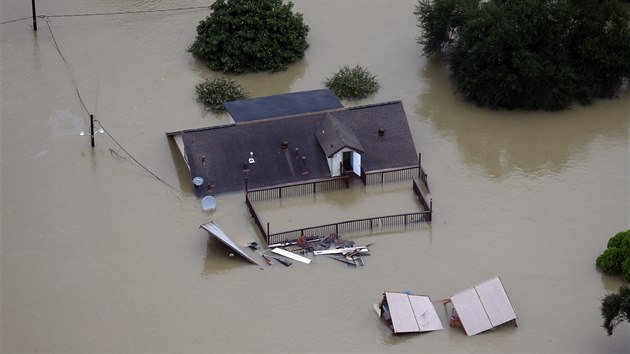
column 477, row 309
column 293, row 138
column 406, row 313
column 214, row 230
column 482, row 307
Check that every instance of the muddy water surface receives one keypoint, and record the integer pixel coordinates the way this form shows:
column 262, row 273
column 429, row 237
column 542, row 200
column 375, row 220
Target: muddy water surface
column 97, row 255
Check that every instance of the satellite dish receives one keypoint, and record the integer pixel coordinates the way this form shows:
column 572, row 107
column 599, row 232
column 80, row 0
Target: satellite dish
column 208, row 203
column 197, row 181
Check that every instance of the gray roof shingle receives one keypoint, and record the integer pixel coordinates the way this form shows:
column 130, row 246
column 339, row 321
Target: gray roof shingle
column 220, row 154
column 287, row 104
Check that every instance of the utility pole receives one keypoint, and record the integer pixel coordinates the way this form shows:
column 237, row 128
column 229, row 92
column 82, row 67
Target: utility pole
column 35, row 19
column 91, row 127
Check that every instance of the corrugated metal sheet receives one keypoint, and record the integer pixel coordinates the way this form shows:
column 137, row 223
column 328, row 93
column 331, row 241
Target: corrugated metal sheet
column 483, row 306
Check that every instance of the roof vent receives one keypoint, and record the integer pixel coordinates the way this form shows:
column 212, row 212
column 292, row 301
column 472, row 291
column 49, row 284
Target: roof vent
column 197, row 181
column 304, row 171
column 285, row 144
column 381, row 131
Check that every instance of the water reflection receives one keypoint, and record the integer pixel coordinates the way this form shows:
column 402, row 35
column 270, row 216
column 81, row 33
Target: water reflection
column 503, row 142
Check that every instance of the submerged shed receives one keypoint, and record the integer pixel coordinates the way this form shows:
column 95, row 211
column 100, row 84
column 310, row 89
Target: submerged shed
column 483, row 307
column 405, row 313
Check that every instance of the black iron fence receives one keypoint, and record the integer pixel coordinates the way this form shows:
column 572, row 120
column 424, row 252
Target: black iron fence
column 302, row 188
column 367, row 225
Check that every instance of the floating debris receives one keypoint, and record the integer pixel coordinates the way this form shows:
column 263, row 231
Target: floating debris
column 482, row 307
column 407, row 313
column 215, row 231
column 291, row 255
column 281, row 261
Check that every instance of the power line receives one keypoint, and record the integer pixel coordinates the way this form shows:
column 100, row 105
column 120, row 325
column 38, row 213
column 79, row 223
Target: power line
column 76, row 88
column 91, row 116
column 17, row 19
column 131, row 156
column 112, row 13
column 132, row 12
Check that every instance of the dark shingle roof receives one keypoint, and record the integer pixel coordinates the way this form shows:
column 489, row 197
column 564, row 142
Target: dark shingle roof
column 333, row 136
column 218, row 154
column 287, row 104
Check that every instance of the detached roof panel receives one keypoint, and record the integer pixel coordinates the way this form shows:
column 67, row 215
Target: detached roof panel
column 471, row 312
column 483, row 306
column 496, row 302
column 424, row 311
column 287, row 104
column 412, row 313
column 400, row 308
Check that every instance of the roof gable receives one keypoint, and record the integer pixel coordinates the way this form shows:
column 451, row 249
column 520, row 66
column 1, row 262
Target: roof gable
column 333, row 136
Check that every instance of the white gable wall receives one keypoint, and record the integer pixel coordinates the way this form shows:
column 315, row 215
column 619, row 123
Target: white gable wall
column 334, row 162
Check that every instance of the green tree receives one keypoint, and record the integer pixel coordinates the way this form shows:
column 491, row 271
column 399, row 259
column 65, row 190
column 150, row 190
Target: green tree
column 214, row 92
column 529, row 54
column 615, row 260
column 249, row 36
column 616, row 309
column 354, row 83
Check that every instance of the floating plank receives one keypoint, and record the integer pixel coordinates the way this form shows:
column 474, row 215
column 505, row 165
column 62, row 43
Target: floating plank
column 291, row 255
column 215, row 231
column 342, row 250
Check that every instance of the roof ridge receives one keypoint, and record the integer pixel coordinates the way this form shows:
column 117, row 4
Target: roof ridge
column 375, row 105
column 292, row 116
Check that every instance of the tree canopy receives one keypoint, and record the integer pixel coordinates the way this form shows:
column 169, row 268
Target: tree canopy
column 529, row 54
column 616, row 309
column 615, row 260
column 249, row 36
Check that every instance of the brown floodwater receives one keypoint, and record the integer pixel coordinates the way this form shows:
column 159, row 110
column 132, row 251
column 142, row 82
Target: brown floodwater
column 97, row 255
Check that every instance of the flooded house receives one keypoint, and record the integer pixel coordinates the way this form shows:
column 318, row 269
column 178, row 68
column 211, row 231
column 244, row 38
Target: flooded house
column 294, row 138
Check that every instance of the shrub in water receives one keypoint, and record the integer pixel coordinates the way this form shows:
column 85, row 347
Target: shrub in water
column 354, row 83
column 214, row 92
